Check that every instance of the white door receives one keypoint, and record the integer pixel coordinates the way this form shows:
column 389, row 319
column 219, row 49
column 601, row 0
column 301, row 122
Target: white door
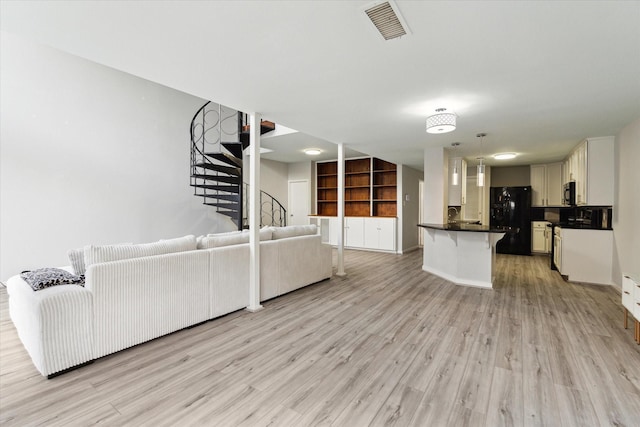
column 298, row 211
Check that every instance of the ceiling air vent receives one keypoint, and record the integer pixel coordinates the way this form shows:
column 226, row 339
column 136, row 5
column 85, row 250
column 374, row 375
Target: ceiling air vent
column 387, row 20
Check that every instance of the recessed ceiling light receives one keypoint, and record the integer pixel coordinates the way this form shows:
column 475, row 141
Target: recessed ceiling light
column 312, row 151
column 504, row 156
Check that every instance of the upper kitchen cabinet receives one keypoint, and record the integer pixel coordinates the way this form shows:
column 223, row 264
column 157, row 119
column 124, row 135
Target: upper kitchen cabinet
column 546, row 184
column 590, row 165
column 458, row 193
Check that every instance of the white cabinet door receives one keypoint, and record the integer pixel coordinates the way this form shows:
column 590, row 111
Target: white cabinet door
column 538, row 243
column 599, row 175
column 581, row 174
column 557, row 252
column 554, row 184
column 380, row 233
column 354, row 232
column 539, row 236
column 538, row 185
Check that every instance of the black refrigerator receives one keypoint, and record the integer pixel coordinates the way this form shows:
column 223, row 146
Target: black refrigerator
column 511, row 207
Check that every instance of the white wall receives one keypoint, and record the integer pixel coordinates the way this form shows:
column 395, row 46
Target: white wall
column 626, row 208
column 510, row 176
column 274, row 179
column 409, row 208
column 89, row 155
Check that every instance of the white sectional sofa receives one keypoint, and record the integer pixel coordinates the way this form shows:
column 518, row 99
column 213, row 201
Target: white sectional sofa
column 132, row 295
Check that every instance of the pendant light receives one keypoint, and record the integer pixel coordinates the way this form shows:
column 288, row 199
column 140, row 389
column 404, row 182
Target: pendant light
column 481, row 166
column 455, row 176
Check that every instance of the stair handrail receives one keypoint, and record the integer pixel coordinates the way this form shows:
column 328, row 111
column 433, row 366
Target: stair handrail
column 276, row 208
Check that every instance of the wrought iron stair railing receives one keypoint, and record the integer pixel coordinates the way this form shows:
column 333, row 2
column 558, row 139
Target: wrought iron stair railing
column 218, row 136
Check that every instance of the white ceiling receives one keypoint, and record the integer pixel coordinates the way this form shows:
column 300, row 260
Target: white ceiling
column 536, row 76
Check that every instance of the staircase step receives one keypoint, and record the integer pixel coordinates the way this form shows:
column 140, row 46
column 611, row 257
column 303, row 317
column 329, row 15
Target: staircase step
column 234, row 148
column 227, row 188
column 228, row 197
column 226, row 158
column 228, row 205
column 219, row 168
column 232, row 214
column 219, row 178
column 265, row 126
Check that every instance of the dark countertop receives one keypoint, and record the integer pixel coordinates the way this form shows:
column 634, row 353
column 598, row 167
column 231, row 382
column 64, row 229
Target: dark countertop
column 470, row 227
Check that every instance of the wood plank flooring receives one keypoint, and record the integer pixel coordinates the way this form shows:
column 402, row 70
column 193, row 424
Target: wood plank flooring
column 386, row 345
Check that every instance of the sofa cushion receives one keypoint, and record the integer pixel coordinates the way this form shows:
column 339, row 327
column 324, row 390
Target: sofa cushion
column 294, row 230
column 98, row 254
column 76, row 258
column 232, row 238
column 46, row 277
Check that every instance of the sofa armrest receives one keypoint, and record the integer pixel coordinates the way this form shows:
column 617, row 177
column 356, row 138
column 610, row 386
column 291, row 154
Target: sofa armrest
column 136, row 300
column 54, row 324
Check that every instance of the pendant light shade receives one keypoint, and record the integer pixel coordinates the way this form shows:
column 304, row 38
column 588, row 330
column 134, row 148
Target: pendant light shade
column 455, row 176
column 480, row 174
column 442, row 122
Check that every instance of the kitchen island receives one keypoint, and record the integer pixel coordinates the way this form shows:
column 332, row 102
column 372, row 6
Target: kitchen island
column 464, row 254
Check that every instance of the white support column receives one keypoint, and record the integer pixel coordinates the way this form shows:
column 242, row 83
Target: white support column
column 254, row 214
column 341, row 271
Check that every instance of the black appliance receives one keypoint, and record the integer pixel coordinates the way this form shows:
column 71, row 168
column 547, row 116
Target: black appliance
column 569, row 194
column 511, row 207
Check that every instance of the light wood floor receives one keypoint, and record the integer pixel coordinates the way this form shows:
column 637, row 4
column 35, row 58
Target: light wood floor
column 387, row 345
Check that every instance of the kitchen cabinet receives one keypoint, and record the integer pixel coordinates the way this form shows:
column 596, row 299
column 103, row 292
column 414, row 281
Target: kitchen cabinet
column 458, row 193
column 380, row 234
column 585, row 255
column 373, row 233
column 354, row 232
column 591, row 166
column 557, row 248
column 540, row 237
column 631, row 302
column 546, row 184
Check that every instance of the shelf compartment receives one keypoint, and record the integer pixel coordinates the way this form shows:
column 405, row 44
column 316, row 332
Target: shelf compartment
column 385, row 193
column 384, row 208
column 357, row 166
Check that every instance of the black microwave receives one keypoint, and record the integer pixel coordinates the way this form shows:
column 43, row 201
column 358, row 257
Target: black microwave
column 569, row 194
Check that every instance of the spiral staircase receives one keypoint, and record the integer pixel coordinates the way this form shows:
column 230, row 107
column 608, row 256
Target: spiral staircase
column 218, row 136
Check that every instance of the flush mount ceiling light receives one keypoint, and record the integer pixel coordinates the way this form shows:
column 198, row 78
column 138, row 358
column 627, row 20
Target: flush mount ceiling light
column 312, row 151
column 455, row 176
column 481, row 166
column 504, row 156
column 441, row 122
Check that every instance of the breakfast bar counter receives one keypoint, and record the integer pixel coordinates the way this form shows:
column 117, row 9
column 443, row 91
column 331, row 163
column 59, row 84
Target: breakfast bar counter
column 462, row 253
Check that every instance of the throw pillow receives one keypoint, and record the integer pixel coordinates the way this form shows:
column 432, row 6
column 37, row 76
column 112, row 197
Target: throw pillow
column 46, row 277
